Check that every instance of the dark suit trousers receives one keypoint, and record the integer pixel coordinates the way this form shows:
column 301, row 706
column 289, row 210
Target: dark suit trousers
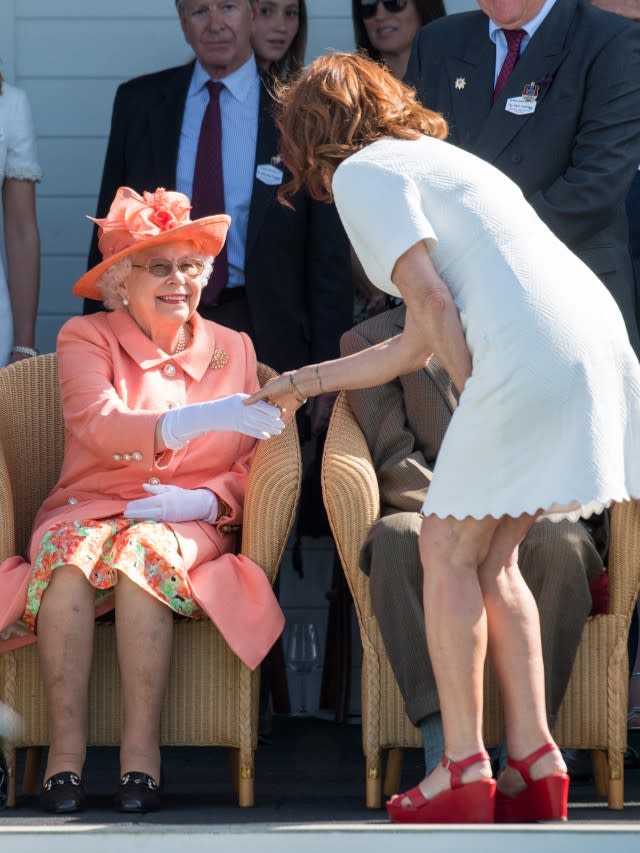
column 557, row 562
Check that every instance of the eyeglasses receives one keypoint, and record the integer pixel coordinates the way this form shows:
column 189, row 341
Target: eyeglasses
column 163, row 267
column 368, row 7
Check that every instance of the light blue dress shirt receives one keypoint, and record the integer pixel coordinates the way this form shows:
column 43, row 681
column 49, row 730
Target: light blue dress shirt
column 239, row 106
column 497, row 35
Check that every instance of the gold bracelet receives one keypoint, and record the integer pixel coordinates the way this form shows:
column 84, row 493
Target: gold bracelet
column 295, row 390
column 319, row 380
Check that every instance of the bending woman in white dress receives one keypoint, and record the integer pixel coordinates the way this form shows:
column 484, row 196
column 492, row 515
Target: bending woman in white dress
column 539, row 351
column 19, row 171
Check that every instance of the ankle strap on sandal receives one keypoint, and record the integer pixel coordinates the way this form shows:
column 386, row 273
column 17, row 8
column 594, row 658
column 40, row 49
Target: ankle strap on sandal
column 456, row 768
column 523, row 765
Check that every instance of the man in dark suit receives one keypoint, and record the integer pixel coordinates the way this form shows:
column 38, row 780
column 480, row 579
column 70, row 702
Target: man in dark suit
column 566, row 124
column 631, row 9
column 404, row 422
column 288, row 282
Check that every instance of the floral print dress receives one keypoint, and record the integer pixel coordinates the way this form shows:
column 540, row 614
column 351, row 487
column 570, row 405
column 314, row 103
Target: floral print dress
column 146, row 551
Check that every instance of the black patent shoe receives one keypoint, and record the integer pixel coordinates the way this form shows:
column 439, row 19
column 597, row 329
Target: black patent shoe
column 137, row 792
column 62, row 794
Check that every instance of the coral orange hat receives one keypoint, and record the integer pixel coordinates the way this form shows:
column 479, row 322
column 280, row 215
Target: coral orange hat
column 137, row 222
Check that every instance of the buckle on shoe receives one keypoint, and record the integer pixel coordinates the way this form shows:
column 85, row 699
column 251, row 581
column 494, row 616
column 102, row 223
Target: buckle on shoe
column 57, row 779
column 139, row 779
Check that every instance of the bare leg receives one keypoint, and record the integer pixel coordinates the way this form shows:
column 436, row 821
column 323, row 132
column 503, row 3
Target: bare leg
column 516, row 651
column 144, row 628
column 65, row 645
column 473, row 590
column 456, row 628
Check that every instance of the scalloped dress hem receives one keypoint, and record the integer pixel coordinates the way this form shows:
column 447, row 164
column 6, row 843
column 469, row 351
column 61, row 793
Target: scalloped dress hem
column 570, row 510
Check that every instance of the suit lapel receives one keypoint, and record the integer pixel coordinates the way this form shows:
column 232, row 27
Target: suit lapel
column 165, row 120
column 470, row 81
column 266, row 147
column 539, row 63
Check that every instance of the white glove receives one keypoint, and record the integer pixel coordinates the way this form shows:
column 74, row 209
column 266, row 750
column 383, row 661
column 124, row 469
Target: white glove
column 171, row 503
column 228, row 414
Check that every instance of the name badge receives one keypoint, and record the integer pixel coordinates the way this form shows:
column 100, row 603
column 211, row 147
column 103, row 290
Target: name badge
column 270, row 175
column 520, row 106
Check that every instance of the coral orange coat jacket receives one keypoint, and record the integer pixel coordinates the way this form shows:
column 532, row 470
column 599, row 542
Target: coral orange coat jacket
column 115, row 384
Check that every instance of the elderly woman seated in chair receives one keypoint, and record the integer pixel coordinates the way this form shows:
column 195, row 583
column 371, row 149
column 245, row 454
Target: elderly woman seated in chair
column 157, row 452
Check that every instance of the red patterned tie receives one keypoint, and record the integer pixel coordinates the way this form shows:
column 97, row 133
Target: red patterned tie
column 514, row 40
column 208, row 185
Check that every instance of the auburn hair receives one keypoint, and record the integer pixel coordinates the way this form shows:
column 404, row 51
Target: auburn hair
column 338, row 105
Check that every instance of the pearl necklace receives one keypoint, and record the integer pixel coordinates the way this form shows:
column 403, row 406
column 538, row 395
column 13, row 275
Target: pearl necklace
column 181, row 343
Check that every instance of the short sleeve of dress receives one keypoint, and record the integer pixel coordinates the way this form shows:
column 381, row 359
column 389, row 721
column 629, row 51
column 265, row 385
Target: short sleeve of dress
column 381, row 210
column 22, row 159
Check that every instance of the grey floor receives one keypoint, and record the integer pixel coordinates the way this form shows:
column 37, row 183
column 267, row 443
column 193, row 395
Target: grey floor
column 311, row 772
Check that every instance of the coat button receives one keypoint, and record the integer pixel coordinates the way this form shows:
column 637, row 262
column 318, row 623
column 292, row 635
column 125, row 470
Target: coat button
column 169, row 370
column 136, row 456
column 117, row 457
column 154, row 481
column 72, row 501
column 516, row 158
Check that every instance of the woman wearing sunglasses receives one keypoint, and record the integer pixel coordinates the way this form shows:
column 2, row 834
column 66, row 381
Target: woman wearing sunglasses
column 384, row 29
column 158, row 448
column 279, row 36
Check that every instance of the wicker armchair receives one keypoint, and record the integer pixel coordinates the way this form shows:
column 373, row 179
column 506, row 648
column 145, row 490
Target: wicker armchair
column 593, row 714
column 212, row 698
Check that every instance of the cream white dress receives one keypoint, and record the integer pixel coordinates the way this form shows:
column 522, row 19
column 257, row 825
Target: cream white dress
column 18, row 159
column 550, row 417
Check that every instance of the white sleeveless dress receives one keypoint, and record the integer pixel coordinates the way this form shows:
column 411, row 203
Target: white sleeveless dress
column 18, row 159
column 550, row 417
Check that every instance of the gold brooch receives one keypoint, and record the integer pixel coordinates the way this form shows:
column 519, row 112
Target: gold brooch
column 218, row 359
column 460, row 83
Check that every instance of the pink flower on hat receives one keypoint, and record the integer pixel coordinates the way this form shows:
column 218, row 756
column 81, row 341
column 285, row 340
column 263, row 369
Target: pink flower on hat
column 137, row 222
column 133, row 218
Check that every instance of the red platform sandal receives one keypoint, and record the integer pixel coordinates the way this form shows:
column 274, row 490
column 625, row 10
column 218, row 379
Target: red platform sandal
column 542, row 799
column 470, row 803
